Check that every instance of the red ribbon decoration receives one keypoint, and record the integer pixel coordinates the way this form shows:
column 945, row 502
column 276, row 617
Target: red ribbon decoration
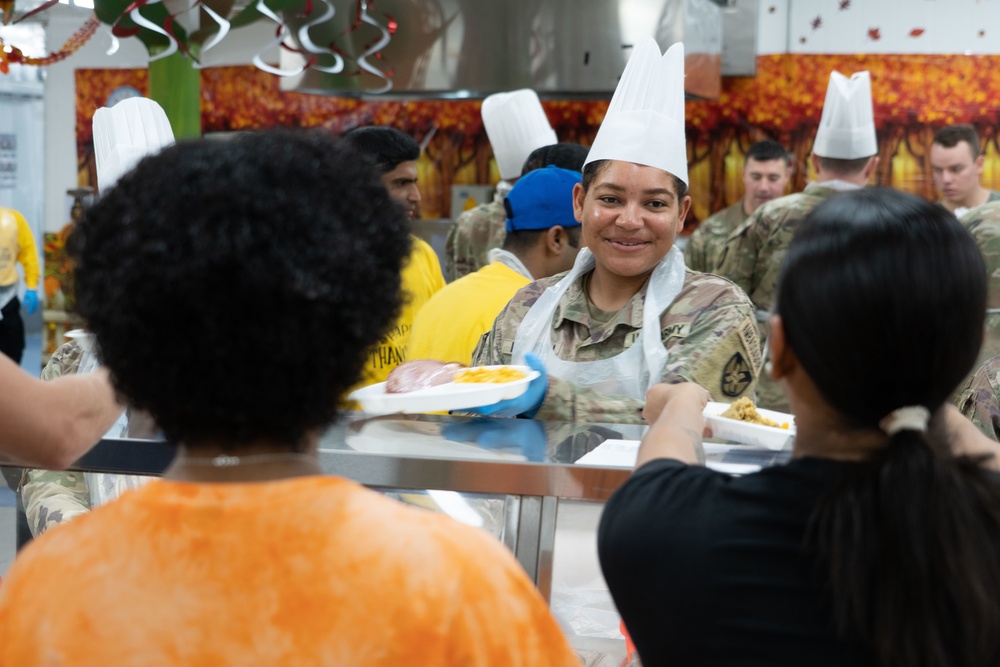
column 116, row 28
column 168, row 25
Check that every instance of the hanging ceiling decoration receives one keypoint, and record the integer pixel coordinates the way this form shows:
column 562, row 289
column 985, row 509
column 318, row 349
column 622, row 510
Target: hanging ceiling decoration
column 424, row 48
column 167, row 26
column 10, row 54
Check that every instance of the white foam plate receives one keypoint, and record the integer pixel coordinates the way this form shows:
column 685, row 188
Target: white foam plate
column 444, row 397
column 733, row 430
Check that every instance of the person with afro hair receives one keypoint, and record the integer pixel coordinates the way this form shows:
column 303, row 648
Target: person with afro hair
column 234, row 290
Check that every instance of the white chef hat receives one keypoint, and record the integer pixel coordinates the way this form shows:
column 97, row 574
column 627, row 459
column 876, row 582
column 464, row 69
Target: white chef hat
column 645, row 121
column 847, row 127
column 516, row 124
column 126, row 133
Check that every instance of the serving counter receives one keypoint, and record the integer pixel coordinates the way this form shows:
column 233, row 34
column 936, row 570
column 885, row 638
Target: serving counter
column 518, row 479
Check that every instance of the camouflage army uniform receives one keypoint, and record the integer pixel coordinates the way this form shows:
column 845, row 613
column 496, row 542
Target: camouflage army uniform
column 708, row 331
column 983, row 222
column 963, row 212
column 752, row 259
column 52, row 497
column 706, row 243
column 979, row 400
column 471, row 238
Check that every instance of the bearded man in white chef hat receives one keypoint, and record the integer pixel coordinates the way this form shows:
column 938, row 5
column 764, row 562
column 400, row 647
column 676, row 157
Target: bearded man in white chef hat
column 629, row 314
column 844, row 157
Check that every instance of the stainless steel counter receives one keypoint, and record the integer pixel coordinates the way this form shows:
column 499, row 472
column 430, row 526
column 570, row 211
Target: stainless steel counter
column 520, row 475
column 529, row 463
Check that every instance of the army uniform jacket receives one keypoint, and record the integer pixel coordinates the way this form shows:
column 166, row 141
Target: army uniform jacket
column 963, row 212
column 706, row 243
column 979, row 400
column 53, row 496
column 752, row 259
column 474, row 234
column 983, row 222
column 708, row 331
column 753, row 253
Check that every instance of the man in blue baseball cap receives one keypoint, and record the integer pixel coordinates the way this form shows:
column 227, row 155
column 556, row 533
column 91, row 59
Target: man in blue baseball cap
column 543, row 238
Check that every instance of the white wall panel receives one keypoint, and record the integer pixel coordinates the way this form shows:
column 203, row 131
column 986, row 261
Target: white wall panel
column 894, row 26
column 772, row 26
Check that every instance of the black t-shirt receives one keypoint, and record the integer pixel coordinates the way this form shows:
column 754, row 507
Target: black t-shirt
column 708, row 569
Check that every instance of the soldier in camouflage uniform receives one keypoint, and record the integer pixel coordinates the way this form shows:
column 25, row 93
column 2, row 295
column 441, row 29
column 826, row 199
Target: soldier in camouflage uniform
column 708, row 331
column 983, row 222
column 979, row 400
column 766, row 171
column 753, row 253
column 484, row 228
column 51, row 497
column 705, row 245
column 474, row 234
column 516, row 125
column 629, row 313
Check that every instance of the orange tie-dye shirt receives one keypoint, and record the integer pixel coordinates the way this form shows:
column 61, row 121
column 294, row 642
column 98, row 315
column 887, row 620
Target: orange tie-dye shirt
column 304, row 571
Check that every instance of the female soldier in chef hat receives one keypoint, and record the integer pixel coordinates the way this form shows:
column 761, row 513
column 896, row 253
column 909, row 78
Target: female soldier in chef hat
column 629, row 314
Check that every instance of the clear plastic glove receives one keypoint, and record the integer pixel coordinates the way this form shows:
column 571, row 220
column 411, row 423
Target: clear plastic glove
column 30, row 301
column 528, row 403
column 525, row 436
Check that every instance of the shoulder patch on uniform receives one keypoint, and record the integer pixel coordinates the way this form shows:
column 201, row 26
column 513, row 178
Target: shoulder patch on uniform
column 736, row 376
column 679, row 330
column 751, row 341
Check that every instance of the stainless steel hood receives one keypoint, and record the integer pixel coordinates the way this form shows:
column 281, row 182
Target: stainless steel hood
column 471, row 48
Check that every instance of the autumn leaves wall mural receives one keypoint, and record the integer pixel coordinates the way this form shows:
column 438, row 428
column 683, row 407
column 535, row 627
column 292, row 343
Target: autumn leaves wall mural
column 913, row 96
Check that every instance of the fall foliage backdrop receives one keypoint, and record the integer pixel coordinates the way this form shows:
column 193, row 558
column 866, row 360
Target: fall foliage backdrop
column 913, row 96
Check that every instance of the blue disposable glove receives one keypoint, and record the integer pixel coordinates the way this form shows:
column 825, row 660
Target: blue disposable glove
column 526, row 436
column 525, row 405
column 30, row 301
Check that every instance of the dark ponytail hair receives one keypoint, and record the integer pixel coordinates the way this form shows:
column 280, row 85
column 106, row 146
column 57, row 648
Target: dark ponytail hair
column 882, row 297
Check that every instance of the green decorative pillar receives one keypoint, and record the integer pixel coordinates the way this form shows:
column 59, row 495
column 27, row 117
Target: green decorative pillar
column 175, row 85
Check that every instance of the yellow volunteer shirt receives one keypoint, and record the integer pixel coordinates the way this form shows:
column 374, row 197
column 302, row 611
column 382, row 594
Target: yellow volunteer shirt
column 17, row 246
column 421, row 279
column 449, row 326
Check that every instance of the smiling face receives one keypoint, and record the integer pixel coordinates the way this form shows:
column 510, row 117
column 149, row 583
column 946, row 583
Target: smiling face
column 631, row 215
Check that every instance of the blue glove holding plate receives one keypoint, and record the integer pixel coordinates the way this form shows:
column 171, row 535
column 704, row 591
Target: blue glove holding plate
column 31, row 301
column 528, row 403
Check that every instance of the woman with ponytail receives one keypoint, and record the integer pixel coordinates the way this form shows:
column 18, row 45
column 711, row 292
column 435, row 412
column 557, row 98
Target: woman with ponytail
column 879, row 542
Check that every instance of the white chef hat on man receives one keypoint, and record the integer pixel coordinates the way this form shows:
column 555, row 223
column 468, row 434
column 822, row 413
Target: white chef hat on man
column 516, row 124
column 126, row 133
column 645, row 120
column 847, row 127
